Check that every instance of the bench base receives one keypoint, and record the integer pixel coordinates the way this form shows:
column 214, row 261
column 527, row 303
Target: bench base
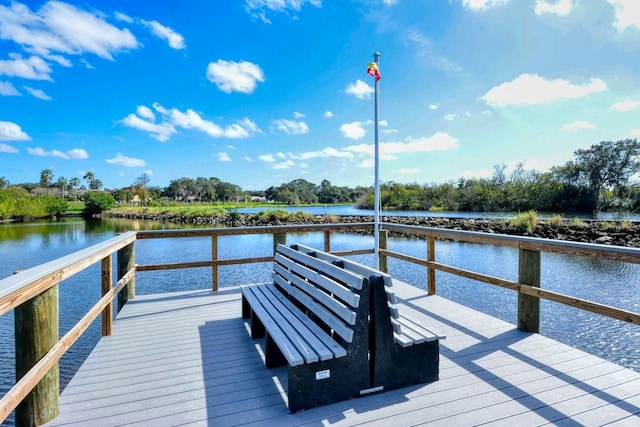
column 398, row 367
column 325, row 382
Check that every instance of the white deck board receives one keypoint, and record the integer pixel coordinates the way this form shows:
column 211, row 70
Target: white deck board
column 187, row 359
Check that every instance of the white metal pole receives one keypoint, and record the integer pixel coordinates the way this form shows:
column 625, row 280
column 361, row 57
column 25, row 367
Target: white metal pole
column 376, row 197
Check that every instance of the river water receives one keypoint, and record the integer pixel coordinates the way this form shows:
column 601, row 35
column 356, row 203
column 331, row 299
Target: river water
column 618, row 284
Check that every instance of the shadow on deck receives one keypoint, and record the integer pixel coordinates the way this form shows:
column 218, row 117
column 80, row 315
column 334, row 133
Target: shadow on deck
column 187, row 359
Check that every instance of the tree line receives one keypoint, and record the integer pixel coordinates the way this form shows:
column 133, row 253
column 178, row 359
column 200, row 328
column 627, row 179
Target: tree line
column 600, row 177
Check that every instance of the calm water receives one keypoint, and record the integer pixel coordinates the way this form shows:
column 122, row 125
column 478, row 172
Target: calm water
column 26, row 245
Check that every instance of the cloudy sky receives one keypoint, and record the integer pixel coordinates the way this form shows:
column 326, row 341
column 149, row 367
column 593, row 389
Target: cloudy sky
column 261, row 92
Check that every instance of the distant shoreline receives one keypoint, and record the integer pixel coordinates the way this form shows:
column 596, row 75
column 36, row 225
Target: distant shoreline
column 619, row 233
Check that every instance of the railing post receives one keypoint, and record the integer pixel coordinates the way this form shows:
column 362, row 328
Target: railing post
column 36, row 332
column 279, row 238
column 107, row 280
column 383, row 263
column 126, row 261
column 327, row 241
column 431, row 272
column 528, row 305
column 214, row 267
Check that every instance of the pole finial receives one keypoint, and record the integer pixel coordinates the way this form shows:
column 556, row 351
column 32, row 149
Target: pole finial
column 376, row 57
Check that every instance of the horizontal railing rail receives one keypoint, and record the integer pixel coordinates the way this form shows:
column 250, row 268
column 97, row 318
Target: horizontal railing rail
column 29, row 288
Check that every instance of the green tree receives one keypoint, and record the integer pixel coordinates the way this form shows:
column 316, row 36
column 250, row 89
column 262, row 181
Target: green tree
column 609, row 165
column 62, row 184
column 96, row 202
column 46, row 177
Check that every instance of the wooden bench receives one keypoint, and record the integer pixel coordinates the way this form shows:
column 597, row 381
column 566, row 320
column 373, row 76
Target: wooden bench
column 403, row 350
column 315, row 319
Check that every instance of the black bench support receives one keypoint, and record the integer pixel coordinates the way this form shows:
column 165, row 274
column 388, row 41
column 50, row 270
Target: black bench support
column 395, row 366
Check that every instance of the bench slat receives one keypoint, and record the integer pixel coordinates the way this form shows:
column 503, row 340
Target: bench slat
column 304, row 340
column 294, row 358
column 325, row 299
column 325, row 282
column 402, row 340
column 350, row 279
column 340, row 328
column 401, row 329
column 336, row 349
column 416, row 325
column 357, row 268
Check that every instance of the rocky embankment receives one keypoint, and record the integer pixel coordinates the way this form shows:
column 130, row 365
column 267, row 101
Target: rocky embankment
column 623, row 233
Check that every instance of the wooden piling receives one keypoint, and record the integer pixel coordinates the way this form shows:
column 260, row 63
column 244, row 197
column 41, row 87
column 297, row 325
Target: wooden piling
column 528, row 305
column 279, row 238
column 383, row 261
column 126, row 261
column 107, row 280
column 431, row 272
column 36, row 331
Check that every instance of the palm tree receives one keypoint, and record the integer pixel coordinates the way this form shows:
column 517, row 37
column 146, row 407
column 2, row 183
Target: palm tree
column 46, row 176
column 90, row 178
column 74, row 183
column 62, row 183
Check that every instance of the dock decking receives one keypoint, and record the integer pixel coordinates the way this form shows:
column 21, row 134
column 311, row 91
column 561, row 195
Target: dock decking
column 186, row 359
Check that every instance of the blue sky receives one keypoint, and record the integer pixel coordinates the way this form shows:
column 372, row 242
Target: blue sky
column 261, row 92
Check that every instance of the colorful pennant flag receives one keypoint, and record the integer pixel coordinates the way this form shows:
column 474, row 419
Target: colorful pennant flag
column 373, row 70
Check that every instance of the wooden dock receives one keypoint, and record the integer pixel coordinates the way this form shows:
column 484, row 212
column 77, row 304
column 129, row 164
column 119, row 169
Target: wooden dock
column 186, row 358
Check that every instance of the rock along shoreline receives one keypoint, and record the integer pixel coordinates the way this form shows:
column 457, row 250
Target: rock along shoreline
column 617, row 233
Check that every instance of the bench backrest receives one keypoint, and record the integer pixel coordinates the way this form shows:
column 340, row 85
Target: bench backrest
column 329, row 294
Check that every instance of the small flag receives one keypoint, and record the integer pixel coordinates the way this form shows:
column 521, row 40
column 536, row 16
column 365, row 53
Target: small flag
column 373, row 70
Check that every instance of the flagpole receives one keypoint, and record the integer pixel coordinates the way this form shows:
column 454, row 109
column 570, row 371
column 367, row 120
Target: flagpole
column 376, row 201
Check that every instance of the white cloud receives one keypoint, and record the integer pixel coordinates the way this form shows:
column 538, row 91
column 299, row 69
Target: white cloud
column 160, row 131
column 353, row 130
column 327, row 152
column 63, row 28
column 625, row 105
column 627, row 14
column 440, row 141
column 289, row 127
column 174, row 118
column 298, row 115
column 267, row 158
column 75, row 154
column 577, row 125
column 284, row 165
column 175, row 40
column 359, row 89
column 451, row 117
column 223, row 157
column 560, row 7
column 258, row 8
column 32, row 68
column 479, row 5
column 4, row 148
column 328, row 114
column 38, row 93
column 124, row 17
column 434, row 107
column 120, row 160
column 145, row 113
column 8, row 89
column 367, row 163
column 230, row 76
column 10, row 131
column 533, row 89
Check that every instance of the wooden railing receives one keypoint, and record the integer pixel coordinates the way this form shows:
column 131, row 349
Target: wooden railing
column 32, row 293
